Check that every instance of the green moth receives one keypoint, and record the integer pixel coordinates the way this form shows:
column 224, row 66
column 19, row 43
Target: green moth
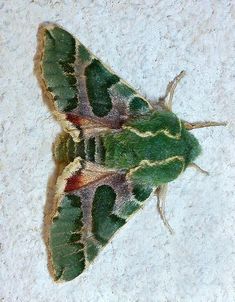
column 116, row 148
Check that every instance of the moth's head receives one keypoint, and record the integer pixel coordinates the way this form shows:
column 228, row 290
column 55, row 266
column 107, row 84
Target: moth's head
column 192, row 144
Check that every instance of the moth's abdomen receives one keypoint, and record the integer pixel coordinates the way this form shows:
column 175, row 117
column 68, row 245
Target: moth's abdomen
column 66, row 149
column 94, row 150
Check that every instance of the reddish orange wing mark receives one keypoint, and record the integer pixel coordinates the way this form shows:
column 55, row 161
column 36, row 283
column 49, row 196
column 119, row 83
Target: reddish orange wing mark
column 84, row 178
column 73, row 119
column 82, row 121
column 73, row 183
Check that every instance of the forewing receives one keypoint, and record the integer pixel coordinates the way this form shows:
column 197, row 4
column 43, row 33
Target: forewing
column 91, row 205
column 79, row 84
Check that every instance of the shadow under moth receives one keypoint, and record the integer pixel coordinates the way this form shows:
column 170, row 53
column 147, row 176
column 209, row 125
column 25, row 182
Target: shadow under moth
column 116, row 148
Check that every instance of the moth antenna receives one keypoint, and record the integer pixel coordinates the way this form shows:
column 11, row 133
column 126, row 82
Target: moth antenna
column 171, row 89
column 160, row 192
column 196, row 125
column 195, row 166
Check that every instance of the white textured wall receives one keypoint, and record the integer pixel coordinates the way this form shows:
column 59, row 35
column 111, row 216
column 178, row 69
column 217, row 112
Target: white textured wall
column 147, row 43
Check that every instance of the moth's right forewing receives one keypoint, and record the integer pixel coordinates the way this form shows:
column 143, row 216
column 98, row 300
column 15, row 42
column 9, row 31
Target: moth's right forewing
column 91, row 205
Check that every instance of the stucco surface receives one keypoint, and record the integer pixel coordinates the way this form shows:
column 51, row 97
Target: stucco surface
column 147, row 43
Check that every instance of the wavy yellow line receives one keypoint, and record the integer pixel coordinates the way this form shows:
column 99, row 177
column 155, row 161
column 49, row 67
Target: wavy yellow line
column 152, row 134
column 156, row 163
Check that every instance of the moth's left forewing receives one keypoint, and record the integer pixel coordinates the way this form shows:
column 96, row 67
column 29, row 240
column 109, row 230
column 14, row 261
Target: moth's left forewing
column 77, row 83
column 92, row 204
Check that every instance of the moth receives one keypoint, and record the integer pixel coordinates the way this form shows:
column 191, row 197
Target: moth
column 116, row 148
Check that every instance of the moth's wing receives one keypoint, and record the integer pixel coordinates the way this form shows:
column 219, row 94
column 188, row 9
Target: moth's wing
column 91, row 205
column 79, row 84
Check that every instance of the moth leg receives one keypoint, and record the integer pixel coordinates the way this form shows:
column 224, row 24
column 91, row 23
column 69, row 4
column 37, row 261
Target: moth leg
column 191, row 126
column 195, row 166
column 171, row 89
column 161, row 201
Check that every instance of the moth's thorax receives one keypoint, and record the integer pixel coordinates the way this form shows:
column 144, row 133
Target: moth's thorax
column 151, row 142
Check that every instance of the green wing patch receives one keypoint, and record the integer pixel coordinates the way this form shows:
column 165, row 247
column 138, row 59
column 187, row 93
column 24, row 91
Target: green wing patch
column 104, row 223
column 67, row 250
column 99, row 80
column 58, row 68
